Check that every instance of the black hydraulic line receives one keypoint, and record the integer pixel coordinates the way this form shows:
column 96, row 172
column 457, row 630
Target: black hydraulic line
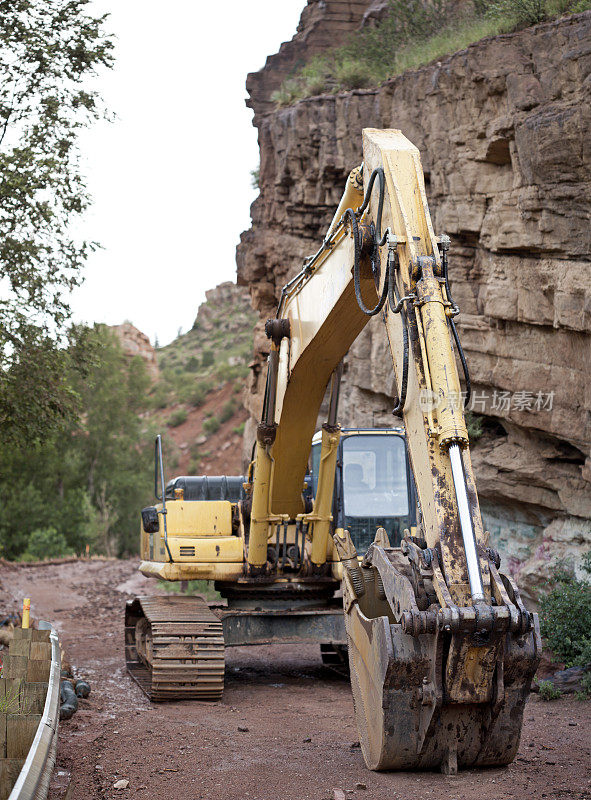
column 284, row 554
column 377, row 173
column 158, row 462
column 296, row 559
column 380, row 240
column 370, row 312
column 453, row 326
column 304, row 533
column 266, row 395
column 463, row 360
column 397, row 307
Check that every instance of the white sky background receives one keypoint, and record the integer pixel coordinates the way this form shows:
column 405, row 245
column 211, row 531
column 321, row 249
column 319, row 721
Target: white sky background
column 171, row 176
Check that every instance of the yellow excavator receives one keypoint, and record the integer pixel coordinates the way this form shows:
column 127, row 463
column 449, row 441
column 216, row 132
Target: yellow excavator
column 369, row 542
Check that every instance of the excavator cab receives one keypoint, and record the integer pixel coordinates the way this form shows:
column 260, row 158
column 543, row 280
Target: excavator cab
column 373, row 484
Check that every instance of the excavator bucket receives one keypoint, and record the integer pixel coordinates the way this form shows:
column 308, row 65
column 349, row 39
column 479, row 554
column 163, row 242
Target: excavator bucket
column 439, row 688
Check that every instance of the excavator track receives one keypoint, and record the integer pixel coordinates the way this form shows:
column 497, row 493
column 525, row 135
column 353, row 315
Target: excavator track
column 174, row 648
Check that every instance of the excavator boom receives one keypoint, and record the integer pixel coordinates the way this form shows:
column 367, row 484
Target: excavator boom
column 441, row 648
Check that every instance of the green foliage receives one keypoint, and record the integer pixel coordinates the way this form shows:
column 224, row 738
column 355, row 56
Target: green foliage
column 225, row 372
column 177, row 418
column 192, row 364
column 585, row 693
column 211, row 425
column 227, row 411
column 524, row 12
column 204, row 588
column 196, row 396
column 410, row 34
column 159, row 396
column 239, row 429
column 474, row 426
column 88, row 479
column 207, row 358
column 557, row 7
column 49, row 50
column 14, row 700
column 255, row 177
column 353, row 73
column 565, row 618
column 46, row 543
column 548, row 691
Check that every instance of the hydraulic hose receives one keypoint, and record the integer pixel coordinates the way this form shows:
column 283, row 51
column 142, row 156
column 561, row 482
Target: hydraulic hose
column 397, row 307
column 350, row 216
column 444, row 248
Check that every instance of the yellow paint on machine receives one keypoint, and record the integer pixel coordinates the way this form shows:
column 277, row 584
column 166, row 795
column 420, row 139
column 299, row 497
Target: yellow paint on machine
column 203, row 518
column 190, row 572
column 211, row 549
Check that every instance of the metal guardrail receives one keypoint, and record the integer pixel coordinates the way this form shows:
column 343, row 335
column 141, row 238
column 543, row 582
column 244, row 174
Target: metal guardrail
column 33, row 780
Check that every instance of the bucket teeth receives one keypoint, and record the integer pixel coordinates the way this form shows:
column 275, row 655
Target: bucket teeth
column 434, row 696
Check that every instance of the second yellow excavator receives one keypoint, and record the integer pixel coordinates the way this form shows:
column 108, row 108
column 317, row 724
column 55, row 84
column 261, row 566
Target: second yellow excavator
column 441, row 648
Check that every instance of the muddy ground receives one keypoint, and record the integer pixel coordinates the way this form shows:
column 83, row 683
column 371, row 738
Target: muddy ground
column 298, row 738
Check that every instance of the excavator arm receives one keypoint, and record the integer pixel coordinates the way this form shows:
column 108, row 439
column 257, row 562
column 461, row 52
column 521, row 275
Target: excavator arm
column 441, row 648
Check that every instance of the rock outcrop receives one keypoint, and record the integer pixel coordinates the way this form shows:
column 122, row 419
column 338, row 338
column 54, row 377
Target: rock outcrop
column 323, row 24
column 135, row 343
column 504, row 130
column 228, row 305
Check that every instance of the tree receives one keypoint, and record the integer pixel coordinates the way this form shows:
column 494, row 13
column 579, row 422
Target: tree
column 49, row 49
column 89, row 479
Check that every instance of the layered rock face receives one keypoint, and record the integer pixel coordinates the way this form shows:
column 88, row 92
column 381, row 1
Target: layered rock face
column 228, row 305
column 504, row 130
column 135, row 343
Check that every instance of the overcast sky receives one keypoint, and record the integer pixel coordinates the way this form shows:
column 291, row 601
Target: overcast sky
column 171, row 176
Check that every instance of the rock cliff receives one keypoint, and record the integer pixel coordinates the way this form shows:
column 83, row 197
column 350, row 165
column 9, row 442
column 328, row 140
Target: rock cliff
column 504, row 130
column 135, row 343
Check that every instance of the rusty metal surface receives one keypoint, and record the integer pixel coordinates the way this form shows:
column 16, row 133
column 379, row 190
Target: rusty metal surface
column 174, row 648
column 440, row 688
column 246, row 627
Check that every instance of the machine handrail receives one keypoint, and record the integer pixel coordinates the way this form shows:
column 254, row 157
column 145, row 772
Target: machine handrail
column 159, row 472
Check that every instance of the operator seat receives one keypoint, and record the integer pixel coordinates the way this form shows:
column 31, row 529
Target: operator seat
column 354, row 478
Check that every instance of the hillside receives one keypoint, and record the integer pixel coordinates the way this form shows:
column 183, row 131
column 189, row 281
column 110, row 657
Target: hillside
column 198, row 383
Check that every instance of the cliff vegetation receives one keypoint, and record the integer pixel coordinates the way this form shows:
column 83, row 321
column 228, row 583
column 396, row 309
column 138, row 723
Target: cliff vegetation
column 408, row 34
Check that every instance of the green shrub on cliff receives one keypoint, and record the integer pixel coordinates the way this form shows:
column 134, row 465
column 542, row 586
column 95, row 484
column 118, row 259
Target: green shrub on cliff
column 177, row 418
column 565, row 618
column 548, row 691
column 211, row 425
column 413, row 33
column 530, row 12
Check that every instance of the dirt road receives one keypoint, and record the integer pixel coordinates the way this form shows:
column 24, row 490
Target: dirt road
column 283, row 731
